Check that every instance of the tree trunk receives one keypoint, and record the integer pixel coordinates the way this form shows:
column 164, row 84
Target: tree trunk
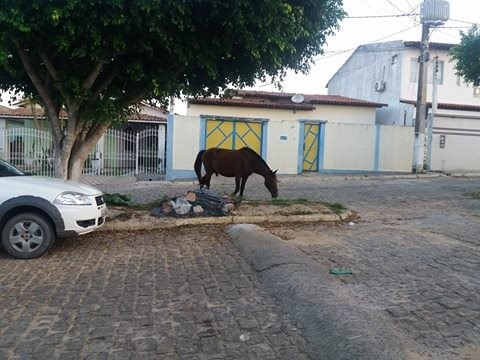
column 76, row 165
column 81, row 149
column 60, row 160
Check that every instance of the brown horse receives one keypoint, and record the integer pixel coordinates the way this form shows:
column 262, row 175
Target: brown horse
column 234, row 163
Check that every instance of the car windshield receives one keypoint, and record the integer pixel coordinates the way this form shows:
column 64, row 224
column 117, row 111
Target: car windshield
column 7, row 169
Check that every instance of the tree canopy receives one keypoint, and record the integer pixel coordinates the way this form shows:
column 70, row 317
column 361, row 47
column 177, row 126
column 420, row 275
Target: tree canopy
column 96, row 58
column 467, row 55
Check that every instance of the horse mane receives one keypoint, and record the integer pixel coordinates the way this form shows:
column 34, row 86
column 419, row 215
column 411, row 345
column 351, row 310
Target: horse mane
column 253, row 152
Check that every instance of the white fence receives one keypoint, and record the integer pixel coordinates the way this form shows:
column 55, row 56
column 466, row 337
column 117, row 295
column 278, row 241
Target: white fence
column 118, row 153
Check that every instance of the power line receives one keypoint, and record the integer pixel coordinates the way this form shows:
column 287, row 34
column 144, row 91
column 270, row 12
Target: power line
column 395, row 6
column 454, row 27
column 409, row 5
column 465, row 22
column 377, row 16
column 371, row 42
column 445, row 33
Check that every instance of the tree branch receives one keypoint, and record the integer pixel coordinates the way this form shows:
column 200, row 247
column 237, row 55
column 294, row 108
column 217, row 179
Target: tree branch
column 103, row 84
column 92, row 77
column 49, row 65
column 53, row 114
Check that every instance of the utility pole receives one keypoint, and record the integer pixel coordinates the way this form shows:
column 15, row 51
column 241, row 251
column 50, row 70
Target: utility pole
column 421, row 107
column 433, row 13
column 433, row 110
column 434, row 86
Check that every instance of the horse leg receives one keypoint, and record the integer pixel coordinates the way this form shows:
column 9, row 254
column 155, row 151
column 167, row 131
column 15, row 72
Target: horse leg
column 237, row 185
column 244, row 181
column 205, row 181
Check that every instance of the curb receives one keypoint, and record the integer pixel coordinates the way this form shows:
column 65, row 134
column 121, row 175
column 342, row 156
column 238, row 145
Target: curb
column 171, row 222
column 335, row 327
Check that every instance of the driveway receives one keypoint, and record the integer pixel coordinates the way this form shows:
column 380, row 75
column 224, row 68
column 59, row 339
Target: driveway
column 189, row 294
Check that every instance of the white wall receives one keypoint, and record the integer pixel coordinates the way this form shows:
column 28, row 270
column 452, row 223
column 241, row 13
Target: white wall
column 3, row 152
column 369, row 65
column 186, row 142
column 349, row 147
column 448, row 92
column 462, row 144
column 283, row 154
column 396, row 148
column 331, row 113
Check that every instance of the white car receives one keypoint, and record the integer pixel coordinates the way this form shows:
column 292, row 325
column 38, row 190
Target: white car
column 35, row 210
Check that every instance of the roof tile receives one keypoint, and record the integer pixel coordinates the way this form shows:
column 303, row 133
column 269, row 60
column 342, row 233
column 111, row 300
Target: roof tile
column 279, row 100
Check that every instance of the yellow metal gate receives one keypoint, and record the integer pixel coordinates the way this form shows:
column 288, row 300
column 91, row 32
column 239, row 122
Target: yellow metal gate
column 310, row 147
column 233, row 134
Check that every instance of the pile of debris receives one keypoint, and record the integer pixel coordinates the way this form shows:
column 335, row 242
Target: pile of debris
column 196, row 203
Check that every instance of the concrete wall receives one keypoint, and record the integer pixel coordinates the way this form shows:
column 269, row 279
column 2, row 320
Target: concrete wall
column 396, row 148
column 183, row 145
column 3, row 152
column 331, row 113
column 349, row 147
column 368, row 148
column 346, row 147
column 282, row 146
column 462, row 143
column 370, row 65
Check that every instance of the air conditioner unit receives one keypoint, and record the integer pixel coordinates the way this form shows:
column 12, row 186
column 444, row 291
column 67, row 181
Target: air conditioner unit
column 380, row 86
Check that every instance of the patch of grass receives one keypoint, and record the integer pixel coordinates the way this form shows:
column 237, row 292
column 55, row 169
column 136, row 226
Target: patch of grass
column 118, row 199
column 278, row 202
column 125, row 200
column 337, row 208
column 281, row 202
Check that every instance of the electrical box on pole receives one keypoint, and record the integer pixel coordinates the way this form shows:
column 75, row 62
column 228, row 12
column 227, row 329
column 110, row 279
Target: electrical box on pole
column 435, row 12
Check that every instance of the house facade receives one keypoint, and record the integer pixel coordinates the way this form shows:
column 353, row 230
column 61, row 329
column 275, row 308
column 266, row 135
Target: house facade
column 135, row 148
column 294, row 133
column 388, row 73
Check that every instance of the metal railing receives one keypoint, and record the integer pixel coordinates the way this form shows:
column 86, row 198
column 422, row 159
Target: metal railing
column 117, row 153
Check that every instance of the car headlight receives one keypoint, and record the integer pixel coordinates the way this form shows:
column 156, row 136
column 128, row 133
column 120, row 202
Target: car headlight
column 72, row 198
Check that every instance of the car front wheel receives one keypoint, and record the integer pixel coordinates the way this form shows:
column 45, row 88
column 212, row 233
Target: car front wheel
column 27, row 236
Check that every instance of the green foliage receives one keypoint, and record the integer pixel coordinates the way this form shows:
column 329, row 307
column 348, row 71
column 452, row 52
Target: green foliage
column 118, row 199
column 288, row 202
column 467, row 55
column 337, row 208
column 154, row 48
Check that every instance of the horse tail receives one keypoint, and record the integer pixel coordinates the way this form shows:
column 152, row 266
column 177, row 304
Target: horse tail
column 198, row 164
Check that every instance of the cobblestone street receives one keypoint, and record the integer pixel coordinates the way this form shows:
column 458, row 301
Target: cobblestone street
column 188, row 294
column 161, row 295
column 415, row 258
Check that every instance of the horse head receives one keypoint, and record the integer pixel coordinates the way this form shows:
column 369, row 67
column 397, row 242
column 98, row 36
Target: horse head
column 271, row 183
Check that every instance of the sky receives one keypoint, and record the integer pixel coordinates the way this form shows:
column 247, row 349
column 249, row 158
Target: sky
column 359, row 31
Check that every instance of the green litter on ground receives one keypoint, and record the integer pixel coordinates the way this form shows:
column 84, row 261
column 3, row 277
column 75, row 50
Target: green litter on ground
column 340, row 271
